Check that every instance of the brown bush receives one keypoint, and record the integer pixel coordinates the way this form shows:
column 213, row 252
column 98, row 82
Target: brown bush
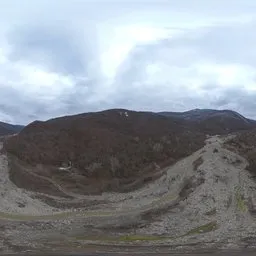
column 21, row 177
column 197, row 163
column 244, row 143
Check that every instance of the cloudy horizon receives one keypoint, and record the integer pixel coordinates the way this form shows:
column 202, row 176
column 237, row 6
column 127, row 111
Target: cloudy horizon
column 73, row 56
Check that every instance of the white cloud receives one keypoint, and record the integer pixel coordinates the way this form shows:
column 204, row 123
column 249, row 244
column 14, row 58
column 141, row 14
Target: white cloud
column 123, row 39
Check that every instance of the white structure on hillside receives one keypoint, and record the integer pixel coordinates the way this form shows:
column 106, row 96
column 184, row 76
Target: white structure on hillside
column 66, row 168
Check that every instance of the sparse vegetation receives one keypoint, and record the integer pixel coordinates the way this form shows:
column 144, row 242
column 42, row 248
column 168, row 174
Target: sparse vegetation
column 199, row 161
column 221, row 178
column 211, row 226
column 125, row 238
column 20, row 175
column 211, row 212
column 55, row 216
column 241, row 205
column 215, row 150
column 23, row 217
column 132, row 238
column 188, row 186
column 237, row 161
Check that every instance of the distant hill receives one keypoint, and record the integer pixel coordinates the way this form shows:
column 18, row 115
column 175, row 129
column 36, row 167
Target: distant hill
column 213, row 121
column 244, row 143
column 8, row 129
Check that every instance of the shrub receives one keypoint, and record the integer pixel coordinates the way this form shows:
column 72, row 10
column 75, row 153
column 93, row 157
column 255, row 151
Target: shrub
column 199, row 161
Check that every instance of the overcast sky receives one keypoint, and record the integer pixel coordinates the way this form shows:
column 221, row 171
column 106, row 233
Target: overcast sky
column 70, row 56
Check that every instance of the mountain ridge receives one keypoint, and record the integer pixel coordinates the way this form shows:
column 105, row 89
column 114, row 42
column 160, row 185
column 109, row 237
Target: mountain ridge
column 9, row 129
column 213, row 121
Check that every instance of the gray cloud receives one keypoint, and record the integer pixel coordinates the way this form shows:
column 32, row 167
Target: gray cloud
column 51, row 63
column 217, row 45
column 14, row 104
column 57, row 48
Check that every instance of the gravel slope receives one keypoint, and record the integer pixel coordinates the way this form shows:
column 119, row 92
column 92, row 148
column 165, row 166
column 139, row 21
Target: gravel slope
column 16, row 200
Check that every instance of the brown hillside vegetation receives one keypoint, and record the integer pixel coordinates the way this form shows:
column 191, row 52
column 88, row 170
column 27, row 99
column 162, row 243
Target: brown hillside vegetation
column 114, row 150
column 212, row 121
column 245, row 143
column 223, row 125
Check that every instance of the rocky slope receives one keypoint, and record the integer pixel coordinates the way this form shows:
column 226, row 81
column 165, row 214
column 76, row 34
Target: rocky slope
column 206, row 200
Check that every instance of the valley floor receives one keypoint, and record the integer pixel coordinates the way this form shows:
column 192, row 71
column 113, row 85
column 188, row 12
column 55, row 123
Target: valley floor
column 206, row 200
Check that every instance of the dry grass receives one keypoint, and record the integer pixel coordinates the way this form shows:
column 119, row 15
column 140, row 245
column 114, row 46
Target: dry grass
column 211, row 226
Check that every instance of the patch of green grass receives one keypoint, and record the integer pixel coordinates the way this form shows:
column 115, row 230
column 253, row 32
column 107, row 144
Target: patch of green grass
column 126, row 238
column 95, row 238
column 55, row 216
column 4, row 215
column 131, row 238
column 14, row 216
column 211, row 226
column 163, row 199
column 241, row 205
column 62, row 215
column 147, row 238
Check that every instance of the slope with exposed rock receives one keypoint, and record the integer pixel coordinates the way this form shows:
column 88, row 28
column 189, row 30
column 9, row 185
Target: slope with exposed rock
column 206, row 200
